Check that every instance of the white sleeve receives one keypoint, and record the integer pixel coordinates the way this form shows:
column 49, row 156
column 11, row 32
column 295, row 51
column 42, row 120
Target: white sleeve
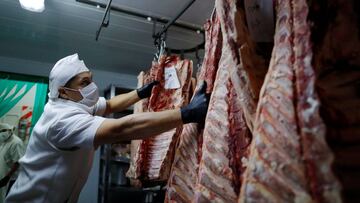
column 100, row 107
column 74, row 131
column 15, row 152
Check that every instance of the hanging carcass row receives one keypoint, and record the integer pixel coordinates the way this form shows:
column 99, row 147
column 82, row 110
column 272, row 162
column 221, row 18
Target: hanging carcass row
column 154, row 155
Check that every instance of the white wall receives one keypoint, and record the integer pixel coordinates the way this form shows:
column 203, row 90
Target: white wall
column 102, row 78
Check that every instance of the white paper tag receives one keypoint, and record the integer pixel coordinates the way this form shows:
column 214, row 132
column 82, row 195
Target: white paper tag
column 171, row 78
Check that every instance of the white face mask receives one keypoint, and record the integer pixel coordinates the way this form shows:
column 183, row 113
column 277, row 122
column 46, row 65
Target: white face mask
column 4, row 136
column 89, row 93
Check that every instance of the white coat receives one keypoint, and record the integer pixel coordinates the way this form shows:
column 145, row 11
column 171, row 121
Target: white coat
column 59, row 155
column 10, row 152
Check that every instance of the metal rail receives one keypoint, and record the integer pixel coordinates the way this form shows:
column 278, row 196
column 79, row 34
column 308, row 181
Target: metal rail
column 130, row 12
column 103, row 24
column 172, row 22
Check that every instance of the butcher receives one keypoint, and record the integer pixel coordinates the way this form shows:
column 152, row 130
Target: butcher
column 61, row 148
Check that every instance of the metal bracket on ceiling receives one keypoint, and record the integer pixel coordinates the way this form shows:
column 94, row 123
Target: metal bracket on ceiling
column 160, row 37
column 103, row 23
column 137, row 14
column 172, row 21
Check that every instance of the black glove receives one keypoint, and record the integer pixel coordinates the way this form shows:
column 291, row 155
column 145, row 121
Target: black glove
column 195, row 112
column 145, row 91
column 4, row 181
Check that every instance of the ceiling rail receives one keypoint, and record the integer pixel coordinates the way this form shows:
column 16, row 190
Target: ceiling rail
column 173, row 21
column 163, row 20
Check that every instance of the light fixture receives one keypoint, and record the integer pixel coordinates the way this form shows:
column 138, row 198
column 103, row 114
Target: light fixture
column 33, row 5
column 98, row 6
column 149, row 19
column 198, row 31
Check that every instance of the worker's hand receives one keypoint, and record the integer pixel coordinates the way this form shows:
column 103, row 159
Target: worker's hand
column 195, row 112
column 145, row 91
column 4, row 181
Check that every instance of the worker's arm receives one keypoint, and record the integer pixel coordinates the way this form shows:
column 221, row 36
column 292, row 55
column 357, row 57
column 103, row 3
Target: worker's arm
column 123, row 101
column 7, row 177
column 144, row 125
column 137, row 126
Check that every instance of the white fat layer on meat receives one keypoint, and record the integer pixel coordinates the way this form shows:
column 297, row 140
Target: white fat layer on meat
column 269, row 86
column 221, row 182
column 302, row 198
column 285, row 85
column 273, row 112
column 266, row 155
column 259, row 167
column 251, row 164
column 313, row 104
column 220, row 162
column 283, row 51
column 313, row 130
column 269, row 129
column 284, row 30
column 274, row 165
column 260, row 118
column 279, row 74
column 281, row 166
column 307, row 61
column 284, row 69
column 258, row 141
column 250, row 188
column 244, row 161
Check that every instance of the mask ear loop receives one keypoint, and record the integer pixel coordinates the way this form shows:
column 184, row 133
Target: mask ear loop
column 74, row 90
column 71, row 89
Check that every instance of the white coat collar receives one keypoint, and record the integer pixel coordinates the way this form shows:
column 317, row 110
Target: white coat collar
column 60, row 101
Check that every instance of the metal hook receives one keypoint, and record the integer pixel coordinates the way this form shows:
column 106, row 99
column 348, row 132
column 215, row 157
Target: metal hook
column 213, row 13
column 197, row 53
column 162, row 48
column 198, row 60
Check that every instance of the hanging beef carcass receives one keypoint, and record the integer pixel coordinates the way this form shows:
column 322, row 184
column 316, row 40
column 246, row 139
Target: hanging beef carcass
column 336, row 47
column 317, row 156
column 140, row 106
column 184, row 170
column 226, row 135
column 154, row 156
column 247, row 68
column 289, row 159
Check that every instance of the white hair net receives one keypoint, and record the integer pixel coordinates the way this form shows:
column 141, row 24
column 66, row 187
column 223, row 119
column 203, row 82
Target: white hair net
column 5, row 126
column 65, row 69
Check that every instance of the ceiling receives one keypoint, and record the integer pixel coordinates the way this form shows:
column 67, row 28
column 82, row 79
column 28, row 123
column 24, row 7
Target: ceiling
column 67, row 26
